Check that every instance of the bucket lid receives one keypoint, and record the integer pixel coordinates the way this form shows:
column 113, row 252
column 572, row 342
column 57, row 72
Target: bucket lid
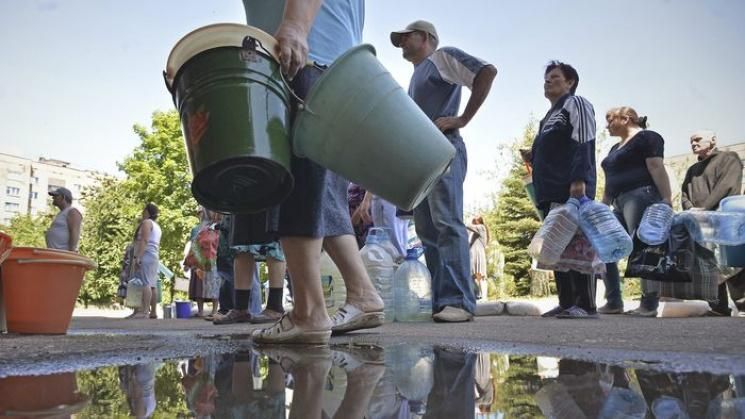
column 214, row 36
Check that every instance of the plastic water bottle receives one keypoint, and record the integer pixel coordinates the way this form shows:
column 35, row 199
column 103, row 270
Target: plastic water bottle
column 557, row 231
column 380, row 268
column 717, row 227
column 413, row 290
column 654, row 228
column 334, row 290
column 413, row 369
column 606, row 234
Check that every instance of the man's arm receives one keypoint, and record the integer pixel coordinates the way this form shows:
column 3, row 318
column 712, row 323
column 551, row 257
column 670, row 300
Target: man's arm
column 292, row 34
column 481, row 85
column 582, row 167
column 685, row 199
column 74, row 221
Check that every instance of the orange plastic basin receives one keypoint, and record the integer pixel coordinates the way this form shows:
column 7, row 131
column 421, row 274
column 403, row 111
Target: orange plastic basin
column 40, row 396
column 40, row 289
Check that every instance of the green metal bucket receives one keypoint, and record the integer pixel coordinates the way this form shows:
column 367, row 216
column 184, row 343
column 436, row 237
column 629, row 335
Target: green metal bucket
column 358, row 122
column 235, row 113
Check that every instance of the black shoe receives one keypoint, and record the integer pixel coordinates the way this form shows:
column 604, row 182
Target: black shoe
column 553, row 312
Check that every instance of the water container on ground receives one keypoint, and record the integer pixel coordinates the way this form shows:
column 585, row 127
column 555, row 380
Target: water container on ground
column 557, row 231
column 412, row 288
column 654, row 228
column 605, row 233
column 380, row 266
column 733, row 256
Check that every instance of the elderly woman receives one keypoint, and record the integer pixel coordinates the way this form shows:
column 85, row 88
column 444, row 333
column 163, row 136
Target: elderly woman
column 635, row 178
column 146, row 260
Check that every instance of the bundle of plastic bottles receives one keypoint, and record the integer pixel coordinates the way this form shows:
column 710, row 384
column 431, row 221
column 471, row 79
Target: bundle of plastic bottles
column 718, row 227
column 596, row 221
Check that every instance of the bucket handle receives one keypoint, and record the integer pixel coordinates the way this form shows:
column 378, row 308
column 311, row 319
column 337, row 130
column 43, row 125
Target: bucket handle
column 83, row 263
column 250, row 42
column 168, row 85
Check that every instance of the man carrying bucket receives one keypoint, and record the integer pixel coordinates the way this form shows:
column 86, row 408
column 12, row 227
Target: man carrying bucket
column 715, row 176
column 436, row 87
column 64, row 233
column 316, row 214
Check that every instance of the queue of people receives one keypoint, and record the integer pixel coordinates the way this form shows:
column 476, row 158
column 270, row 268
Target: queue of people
column 317, row 214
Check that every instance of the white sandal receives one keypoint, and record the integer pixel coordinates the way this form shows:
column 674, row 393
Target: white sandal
column 286, row 331
column 349, row 318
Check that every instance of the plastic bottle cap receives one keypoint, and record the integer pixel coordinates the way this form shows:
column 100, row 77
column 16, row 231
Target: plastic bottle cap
column 412, row 254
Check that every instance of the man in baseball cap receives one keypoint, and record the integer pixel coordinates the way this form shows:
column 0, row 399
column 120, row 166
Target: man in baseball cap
column 420, row 26
column 435, row 86
column 63, row 192
column 64, row 233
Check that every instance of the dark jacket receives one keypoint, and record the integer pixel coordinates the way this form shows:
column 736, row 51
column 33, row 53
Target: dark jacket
column 712, row 179
column 564, row 150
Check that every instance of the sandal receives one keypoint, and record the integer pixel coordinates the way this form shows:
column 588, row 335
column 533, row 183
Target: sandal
column 349, row 318
column 285, row 331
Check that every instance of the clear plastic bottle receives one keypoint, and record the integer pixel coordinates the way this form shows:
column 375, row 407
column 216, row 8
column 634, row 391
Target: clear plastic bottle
column 413, row 290
column 717, row 227
column 607, row 236
column 654, row 228
column 557, row 231
column 380, row 267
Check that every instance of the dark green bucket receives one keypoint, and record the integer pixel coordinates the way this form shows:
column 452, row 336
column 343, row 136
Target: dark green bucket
column 235, row 115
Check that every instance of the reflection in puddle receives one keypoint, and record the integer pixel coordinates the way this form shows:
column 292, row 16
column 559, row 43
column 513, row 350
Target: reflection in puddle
column 398, row 381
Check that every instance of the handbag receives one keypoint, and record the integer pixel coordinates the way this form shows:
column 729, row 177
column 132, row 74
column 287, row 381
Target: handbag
column 671, row 261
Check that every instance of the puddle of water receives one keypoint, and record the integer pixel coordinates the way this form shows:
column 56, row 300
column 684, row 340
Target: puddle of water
column 398, row 381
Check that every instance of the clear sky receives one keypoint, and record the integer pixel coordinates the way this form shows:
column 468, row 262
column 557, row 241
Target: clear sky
column 77, row 74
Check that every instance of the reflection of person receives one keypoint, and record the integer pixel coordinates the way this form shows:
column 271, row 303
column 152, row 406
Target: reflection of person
column 138, row 384
column 452, row 394
column 146, row 260
column 64, row 233
column 316, row 213
column 435, row 86
column 199, row 385
column 478, row 240
column 715, row 176
column 635, row 178
column 680, row 395
column 563, row 161
column 237, row 395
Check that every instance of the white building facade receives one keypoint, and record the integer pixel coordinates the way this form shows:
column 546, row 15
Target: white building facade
column 25, row 183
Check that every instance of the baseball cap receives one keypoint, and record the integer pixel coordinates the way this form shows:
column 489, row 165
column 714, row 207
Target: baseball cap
column 419, row 25
column 62, row 191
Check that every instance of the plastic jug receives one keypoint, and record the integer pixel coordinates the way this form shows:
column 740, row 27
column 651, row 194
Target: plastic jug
column 556, row 232
column 717, row 227
column 413, row 369
column 334, row 290
column 606, row 234
column 654, row 228
column 413, row 290
column 380, row 266
column 135, row 288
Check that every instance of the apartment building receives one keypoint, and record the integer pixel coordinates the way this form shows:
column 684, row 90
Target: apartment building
column 25, row 183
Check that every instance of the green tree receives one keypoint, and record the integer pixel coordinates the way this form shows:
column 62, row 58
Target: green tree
column 514, row 220
column 28, row 230
column 109, row 224
column 157, row 171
